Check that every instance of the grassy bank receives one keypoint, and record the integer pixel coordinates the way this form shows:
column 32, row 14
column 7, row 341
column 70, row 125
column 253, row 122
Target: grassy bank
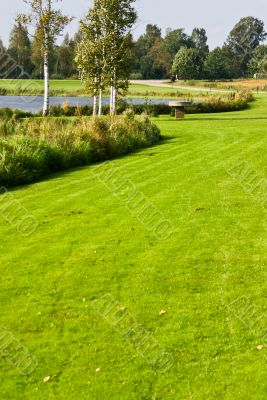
column 192, row 293
column 74, row 88
column 233, row 85
column 35, row 87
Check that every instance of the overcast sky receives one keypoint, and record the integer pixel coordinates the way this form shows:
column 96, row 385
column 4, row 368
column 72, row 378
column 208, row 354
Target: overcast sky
column 217, row 17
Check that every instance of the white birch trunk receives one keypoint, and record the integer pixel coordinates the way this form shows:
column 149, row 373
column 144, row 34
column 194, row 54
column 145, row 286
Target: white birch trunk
column 95, row 105
column 114, row 100
column 100, row 102
column 46, row 84
column 111, row 100
column 114, row 95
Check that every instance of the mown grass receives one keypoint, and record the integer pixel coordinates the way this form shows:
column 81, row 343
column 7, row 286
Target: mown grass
column 75, row 88
column 66, row 85
column 209, row 275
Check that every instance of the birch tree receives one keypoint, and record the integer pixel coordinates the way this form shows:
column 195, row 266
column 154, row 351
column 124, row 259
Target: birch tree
column 118, row 17
column 104, row 54
column 90, row 56
column 49, row 23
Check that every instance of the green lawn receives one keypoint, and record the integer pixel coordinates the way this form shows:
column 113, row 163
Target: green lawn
column 67, row 85
column 236, row 84
column 209, row 275
column 75, row 88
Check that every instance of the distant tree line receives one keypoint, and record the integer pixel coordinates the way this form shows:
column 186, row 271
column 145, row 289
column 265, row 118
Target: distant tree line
column 154, row 56
column 26, row 51
column 188, row 56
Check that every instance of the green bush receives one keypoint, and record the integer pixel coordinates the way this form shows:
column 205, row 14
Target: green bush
column 35, row 147
column 8, row 113
column 216, row 104
column 136, row 76
column 86, row 110
column 234, row 101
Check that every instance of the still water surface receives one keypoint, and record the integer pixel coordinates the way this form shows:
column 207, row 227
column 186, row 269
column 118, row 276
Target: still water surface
column 35, row 103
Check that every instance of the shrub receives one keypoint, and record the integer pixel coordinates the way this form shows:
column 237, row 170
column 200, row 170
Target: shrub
column 215, row 104
column 191, row 82
column 136, row 76
column 7, row 112
column 35, row 147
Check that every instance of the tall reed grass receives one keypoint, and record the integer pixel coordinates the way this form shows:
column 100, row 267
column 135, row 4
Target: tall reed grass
column 35, row 147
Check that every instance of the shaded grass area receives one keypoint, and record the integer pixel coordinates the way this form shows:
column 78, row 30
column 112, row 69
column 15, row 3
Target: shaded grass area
column 89, row 244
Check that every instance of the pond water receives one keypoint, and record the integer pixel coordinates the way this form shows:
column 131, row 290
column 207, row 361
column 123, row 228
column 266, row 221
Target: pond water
column 35, row 103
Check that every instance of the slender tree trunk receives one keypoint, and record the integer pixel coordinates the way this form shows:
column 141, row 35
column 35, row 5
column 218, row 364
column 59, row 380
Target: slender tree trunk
column 113, row 95
column 111, row 100
column 46, row 84
column 95, row 105
column 100, row 102
column 114, row 100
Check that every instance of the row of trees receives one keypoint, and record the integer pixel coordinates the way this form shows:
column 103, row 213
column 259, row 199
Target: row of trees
column 153, row 56
column 188, row 56
column 241, row 55
column 101, row 51
column 27, row 52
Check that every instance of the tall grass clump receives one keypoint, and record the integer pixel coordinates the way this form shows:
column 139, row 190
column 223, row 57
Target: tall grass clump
column 235, row 101
column 35, row 147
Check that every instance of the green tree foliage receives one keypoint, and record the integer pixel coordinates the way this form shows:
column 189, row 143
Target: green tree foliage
column 104, row 53
column 187, row 64
column 146, row 53
column 157, row 63
column 174, row 40
column 155, row 54
column 147, row 41
column 91, row 53
column 19, row 50
column 199, row 40
column 37, row 58
column 242, row 41
column 2, row 48
column 258, row 60
column 263, row 65
column 49, row 23
column 2, row 58
column 65, row 55
column 216, row 64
